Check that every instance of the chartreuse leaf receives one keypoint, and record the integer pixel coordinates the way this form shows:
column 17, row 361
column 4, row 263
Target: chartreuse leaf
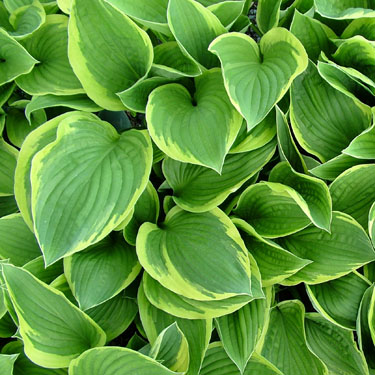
column 33, row 143
column 116, row 361
column 18, row 243
column 171, row 349
column 334, row 346
column 363, row 146
column 65, row 5
column 285, row 341
column 8, row 157
column 200, row 130
column 260, row 76
column 353, row 192
column 339, row 300
column 89, row 181
column 227, row 11
column 7, row 363
column 334, row 254
column 314, row 191
column 371, row 223
column 197, row 332
column 170, row 253
column 14, row 59
column 116, row 35
column 241, row 331
column 313, row 34
column 273, row 209
column 47, row 321
column 217, row 362
column 345, row 9
column 194, row 28
column 145, row 210
column 53, row 73
column 268, row 14
column 275, row 263
column 199, row 189
column 324, row 130
column 80, row 102
column 101, row 271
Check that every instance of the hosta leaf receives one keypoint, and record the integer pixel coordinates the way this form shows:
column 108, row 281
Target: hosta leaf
column 360, row 26
column 314, row 191
column 285, row 342
column 8, row 157
column 79, row 101
column 268, row 14
column 217, row 362
column 275, row 263
column 89, row 181
column 272, row 209
column 371, row 223
column 171, row 349
column 53, row 73
column 45, row 274
column 224, row 267
column 194, row 28
column 335, row 346
column 97, row 32
column 338, row 300
column 33, row 143
column 116, row 361
column 227, row 11
column 200, row 130
column 323, row 130
column 65, row 5
column 7, row 363
column 197, row 332
column 241, row 331
column 18, row 243
column 261, row 75
column 45, row 336
column 13, row 5
column 334, row 254
column 15, row 60
column 61, row 284
column 200, row 189
column 363, row 146
column 101, row 271
column 145, row 210
column 8, row 205
column 353, row 192
column 344, row 9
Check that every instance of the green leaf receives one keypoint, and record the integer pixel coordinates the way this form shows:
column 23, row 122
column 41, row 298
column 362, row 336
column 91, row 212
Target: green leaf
column 194, row 28
column 321, row 129
column 260, row 76
column 13, row 5
column 79, row 177
column 115, row 361
column 360, row 26
column 18, row 243
column 273, row 209
column 334, row 346
column 8, row 205
column 65, row 5
column 371, row 223
column 210, row 240
column 7, row 363
column 353, row 192
column 363, row 146
column 171, row 349
column 145, row 210
column 53, row 73
column 45, row 334
column 197, row 332
column 275, row 263
column 334, row 254
column 8, row 157
column 80, row 102
column 100, row 31
column 14, row 59
column 314, row 35
column 345, row 9
column 285, row 342
column 339, row 300
column 314, row 191
column 227, row 11
column 100, row 272
column 202, row 129
column 199, row 189
column 45, row 274
column 268, row 14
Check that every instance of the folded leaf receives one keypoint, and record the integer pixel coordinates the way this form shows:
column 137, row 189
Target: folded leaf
column 347, row 9
column 227, row 11
column 363, row 146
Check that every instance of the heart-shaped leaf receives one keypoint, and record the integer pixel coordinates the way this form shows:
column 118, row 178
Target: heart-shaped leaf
column 199, row 130
column 256, row 78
